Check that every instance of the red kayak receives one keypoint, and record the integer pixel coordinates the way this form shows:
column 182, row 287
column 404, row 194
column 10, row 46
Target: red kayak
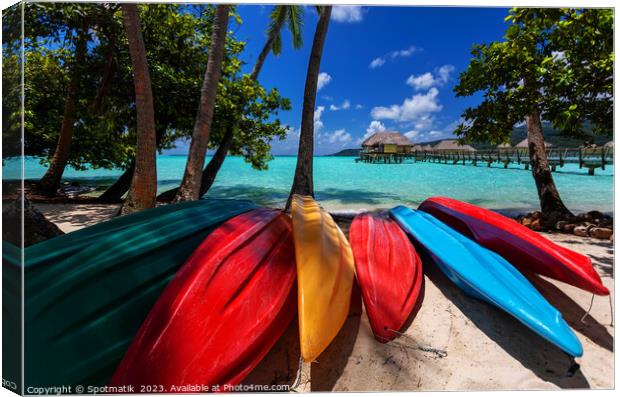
column 389, row 272
column 223, row 311
column 524, row 248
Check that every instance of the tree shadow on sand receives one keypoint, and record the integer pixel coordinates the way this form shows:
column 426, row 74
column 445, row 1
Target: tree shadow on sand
column 545, row 360
column 271, row 196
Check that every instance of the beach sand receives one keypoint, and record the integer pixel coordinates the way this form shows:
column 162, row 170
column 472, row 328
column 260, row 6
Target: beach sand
column 486, row 348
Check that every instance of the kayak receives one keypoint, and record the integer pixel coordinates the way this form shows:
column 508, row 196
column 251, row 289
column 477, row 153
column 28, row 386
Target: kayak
column 483, row 274
column 524, row 248
column 223, row 311
column 389, row 272
column 83, row 308
column 325, row 273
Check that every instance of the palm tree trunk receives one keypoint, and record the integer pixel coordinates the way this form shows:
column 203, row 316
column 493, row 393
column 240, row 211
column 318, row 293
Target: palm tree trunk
column 210, row 172
column 190, row 186
column 50, row 183
column 114, row 193
column 303, row 182
column 144, row 182
column 106, row 79
column 266, row 49
column 551, row 204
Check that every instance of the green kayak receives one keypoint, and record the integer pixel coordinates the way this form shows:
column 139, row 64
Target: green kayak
column 87, row 292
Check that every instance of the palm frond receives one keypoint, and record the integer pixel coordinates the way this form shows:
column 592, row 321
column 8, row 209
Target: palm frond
column 276, row 44
column 295, row 24
column 276, row 19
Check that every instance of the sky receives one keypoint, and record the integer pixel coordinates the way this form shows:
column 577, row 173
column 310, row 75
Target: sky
column 383, row 68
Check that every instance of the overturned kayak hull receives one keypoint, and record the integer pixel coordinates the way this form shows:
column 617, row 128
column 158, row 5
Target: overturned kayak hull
column 324, row 276
column 485, row 275
column 83, row 308
column 524, row 248
column 223, row 311
column 389, row 272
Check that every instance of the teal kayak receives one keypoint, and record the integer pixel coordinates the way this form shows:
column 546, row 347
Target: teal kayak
column 87, row 292
column 485, row 275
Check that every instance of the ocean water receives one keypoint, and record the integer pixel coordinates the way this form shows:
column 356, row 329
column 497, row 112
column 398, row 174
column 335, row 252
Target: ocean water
column 341, row 184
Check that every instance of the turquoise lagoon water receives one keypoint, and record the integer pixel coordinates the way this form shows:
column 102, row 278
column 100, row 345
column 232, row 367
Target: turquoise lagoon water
column 340, row 183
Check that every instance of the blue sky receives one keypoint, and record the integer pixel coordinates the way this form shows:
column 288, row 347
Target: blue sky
column 387, row 68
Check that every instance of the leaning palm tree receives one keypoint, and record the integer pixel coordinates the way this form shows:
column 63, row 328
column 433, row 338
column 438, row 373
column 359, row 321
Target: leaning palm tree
column 290, row 15
column 303, row 182
column 190, row 185
column 143, row 189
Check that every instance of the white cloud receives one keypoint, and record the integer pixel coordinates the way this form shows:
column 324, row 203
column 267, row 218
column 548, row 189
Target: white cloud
column 345, row 105
column 427, row 80
column 445, row 72
column 407, row 52
column 377, row 63
column 318, row 123
column 359, row 106
column 347, row 14
column 415, row 109
column 393, row 55
column 373, row 127
column 324, row 79
column 422, row 81
column 339, row 136
column 411, row 134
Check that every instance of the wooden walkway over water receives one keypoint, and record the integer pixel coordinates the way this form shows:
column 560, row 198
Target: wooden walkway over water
column 590, row 158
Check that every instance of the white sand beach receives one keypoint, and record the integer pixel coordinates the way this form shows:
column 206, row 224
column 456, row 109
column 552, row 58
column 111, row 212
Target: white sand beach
column 486, row 348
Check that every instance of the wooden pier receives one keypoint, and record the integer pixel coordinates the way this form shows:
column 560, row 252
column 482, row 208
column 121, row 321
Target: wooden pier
column 590, row 158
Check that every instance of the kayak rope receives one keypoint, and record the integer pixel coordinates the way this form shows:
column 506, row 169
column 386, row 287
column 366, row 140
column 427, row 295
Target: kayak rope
column 588, row 312
column 297, row 376
column 611, row 309
column 429, row 349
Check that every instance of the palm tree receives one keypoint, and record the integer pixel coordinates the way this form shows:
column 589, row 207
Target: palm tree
column 190, row 186
column 50, row 182
column 143, row 188
column 303, row 183
column 293, row 17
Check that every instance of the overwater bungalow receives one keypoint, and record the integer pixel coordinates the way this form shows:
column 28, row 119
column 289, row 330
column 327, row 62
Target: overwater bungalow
column 453, row 145
column 386, row 147
column 524, row 144
column 421, row 148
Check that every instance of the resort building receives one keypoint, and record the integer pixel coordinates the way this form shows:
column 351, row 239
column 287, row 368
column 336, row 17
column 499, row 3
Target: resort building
column 524, row 144
column 422, row 148
column 453, row 145
column 387, row 142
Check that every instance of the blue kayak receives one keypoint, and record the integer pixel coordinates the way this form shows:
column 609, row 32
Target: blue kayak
column 485, row 275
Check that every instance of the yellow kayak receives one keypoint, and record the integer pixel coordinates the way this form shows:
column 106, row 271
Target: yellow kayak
column 325, row 271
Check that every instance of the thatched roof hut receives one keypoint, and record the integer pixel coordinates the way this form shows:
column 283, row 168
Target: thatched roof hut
column 387, row 142
column 505, row 145
column 387, row 138
column 452, row 144
column 422, row 148
column 524, row 144
column 610, row 144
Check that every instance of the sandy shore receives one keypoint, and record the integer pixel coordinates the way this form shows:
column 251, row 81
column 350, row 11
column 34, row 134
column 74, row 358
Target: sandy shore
column 486, row 348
